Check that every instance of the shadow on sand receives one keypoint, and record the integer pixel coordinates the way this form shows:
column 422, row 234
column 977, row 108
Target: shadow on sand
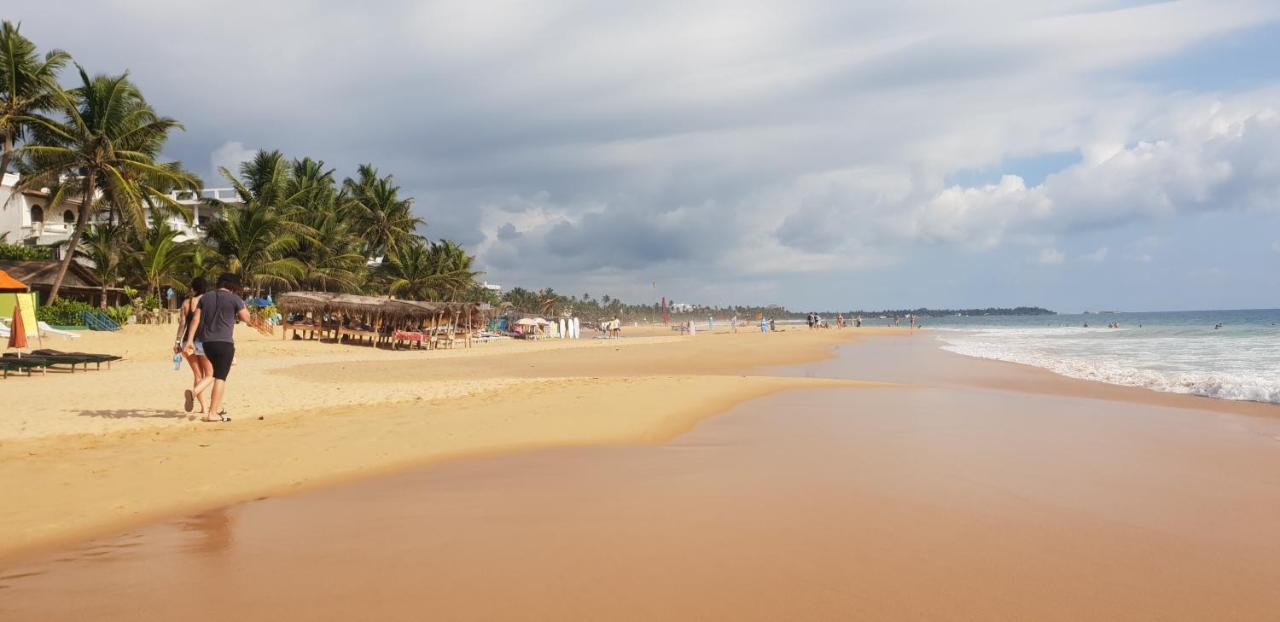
column 136, row 413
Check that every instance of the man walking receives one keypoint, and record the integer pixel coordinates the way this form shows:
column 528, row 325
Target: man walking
column 214, row 323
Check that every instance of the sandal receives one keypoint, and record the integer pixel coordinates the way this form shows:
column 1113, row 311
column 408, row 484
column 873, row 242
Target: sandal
column 188, row 400
column 222, row 418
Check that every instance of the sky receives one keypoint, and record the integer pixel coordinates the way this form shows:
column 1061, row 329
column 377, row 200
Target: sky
column 1076, row 154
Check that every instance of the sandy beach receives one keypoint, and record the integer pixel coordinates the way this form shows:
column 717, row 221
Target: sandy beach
column 92, row 452
column 939, row 490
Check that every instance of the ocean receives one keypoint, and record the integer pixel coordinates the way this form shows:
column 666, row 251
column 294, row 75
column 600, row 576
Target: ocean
column 1177, row 352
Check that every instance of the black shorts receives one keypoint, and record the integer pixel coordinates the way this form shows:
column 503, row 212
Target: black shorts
column 220, row 353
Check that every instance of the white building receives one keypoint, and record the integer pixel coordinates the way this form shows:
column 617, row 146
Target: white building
column 28, row 218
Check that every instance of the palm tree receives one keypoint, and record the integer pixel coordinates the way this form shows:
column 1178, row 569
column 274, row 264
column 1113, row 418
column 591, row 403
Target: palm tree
column 104, row 248
column 429, row 271
column 257, row 244
column 28, row 86
column 549, row 300
column 104, row 147
column 386, row 221
column 453, row 269
column 330, row 255
column 160, row 258
column 409, row 272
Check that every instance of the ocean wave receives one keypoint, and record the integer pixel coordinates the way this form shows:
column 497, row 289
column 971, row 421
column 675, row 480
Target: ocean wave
column 1216, row 375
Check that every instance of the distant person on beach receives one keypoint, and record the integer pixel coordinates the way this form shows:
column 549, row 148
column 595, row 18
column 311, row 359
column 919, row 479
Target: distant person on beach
column 773, row 325
column 857, row 322
column 911, row 317
column 214, row 323
column 201, row 368
column 733, row 327
column 764, row 325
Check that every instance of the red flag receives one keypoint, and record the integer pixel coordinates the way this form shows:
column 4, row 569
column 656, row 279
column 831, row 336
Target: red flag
column 17, row 332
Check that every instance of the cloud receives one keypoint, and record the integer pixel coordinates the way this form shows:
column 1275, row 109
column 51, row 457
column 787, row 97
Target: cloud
column 759, row 143
column 1097, row 256
column 1051, row 257
column 229, row 156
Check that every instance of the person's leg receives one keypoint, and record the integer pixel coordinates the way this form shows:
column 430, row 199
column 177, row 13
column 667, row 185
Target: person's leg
column 215, row 399
column 221, row 356
column 198, row 374
column 202, row 386
column 206, row 372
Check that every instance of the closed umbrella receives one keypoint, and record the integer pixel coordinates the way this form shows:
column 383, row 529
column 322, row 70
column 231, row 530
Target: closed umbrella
column 18, row 333
column 18, row 329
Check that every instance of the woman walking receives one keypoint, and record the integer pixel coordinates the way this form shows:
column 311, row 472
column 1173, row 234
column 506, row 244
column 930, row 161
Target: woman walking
column 201, row 368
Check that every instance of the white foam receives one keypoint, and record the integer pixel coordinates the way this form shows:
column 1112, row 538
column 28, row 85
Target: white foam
column 1233, row 369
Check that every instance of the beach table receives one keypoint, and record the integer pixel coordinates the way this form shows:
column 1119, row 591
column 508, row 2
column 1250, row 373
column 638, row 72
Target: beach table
column 409, row 338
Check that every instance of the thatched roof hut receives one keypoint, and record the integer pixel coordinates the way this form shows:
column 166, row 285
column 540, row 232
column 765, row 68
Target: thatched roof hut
column 79, row 282
column 304, row 302
column 386, row 308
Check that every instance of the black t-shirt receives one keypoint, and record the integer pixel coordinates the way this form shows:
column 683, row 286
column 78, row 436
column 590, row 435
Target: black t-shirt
column 218, row 310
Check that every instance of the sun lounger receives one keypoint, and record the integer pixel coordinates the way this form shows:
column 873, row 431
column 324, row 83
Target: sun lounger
column 26, row 363
column 44, row 326
column 84, row 357
column 6, row 366
column 49, row 361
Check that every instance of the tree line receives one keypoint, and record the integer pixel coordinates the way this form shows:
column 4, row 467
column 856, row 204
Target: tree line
column 96, row 147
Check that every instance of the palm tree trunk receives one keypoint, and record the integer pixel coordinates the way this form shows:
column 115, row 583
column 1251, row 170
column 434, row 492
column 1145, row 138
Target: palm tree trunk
column 86, row 208
column 7, row 156
column 103, row 302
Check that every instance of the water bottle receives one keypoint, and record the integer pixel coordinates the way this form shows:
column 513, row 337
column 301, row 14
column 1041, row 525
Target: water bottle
column 177, row 361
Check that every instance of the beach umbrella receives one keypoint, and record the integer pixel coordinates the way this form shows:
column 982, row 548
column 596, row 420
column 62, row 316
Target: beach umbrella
column 525, row 321
column 18, row 332
column 10, row 285
column 18, row 329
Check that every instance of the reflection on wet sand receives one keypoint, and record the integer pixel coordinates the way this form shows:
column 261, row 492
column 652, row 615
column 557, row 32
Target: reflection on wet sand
column 212, row 531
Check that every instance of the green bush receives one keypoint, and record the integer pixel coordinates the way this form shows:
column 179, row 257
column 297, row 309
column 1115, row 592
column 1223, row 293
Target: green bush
column 22, row 252
column 63, row 312
column 120, row 314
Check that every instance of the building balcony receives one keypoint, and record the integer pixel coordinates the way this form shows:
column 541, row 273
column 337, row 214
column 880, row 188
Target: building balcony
column 225, row 195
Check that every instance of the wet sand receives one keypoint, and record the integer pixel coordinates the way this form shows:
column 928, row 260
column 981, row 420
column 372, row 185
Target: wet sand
column 86, row 454
column 953, row 499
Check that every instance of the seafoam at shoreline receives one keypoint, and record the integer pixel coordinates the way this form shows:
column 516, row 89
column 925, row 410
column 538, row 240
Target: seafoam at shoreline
column 1239, row 362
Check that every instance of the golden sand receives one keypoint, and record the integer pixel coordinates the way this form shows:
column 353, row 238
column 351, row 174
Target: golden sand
column 951, row 497
column 90, row 452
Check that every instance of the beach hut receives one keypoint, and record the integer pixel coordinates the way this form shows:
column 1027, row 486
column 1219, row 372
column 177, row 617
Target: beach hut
column 304, row 314
column 78, row 284
column 382, row 320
